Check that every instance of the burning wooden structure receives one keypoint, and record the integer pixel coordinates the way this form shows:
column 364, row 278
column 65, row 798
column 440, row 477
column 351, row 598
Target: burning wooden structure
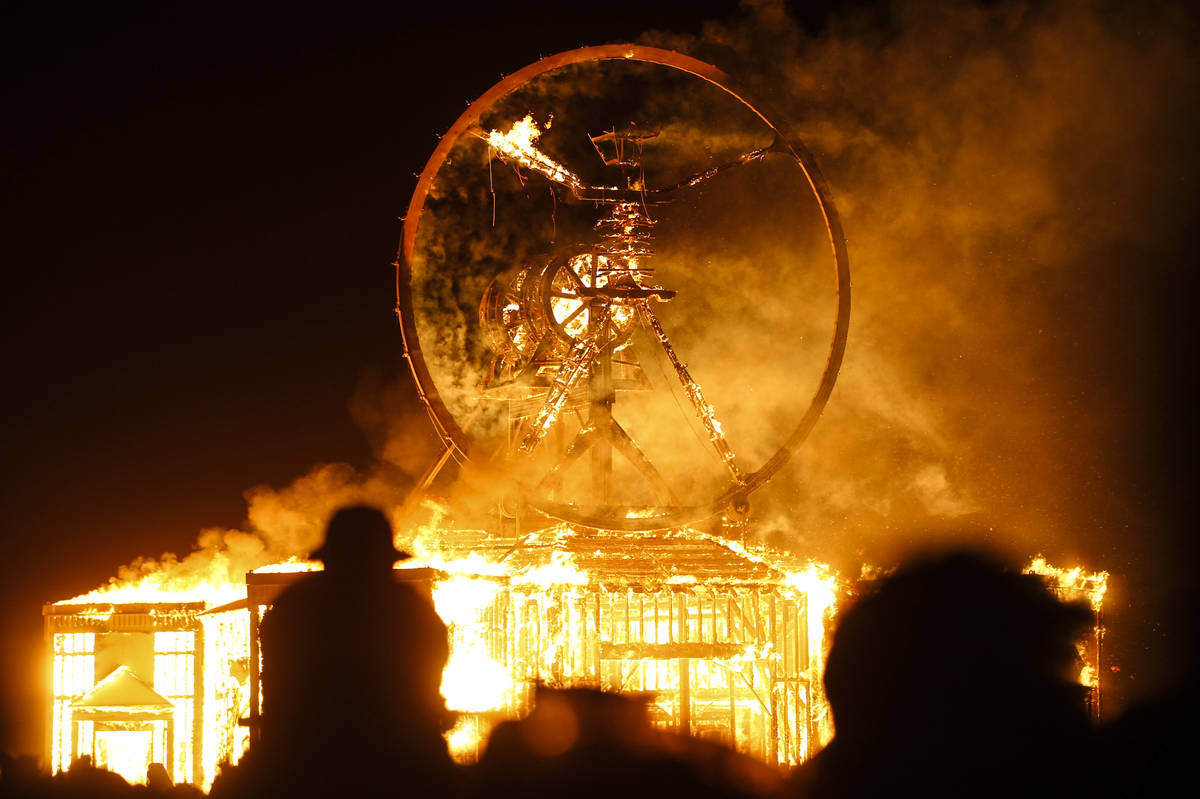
column 135, row 683
column 725, row 642
column 617, row 589
column 1079, row 586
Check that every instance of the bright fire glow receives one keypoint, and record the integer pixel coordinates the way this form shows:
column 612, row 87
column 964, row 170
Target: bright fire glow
column 1077, row 584
column 513, row 623
column 162, row 586
column 291, row 565
column 472, row 681
column 516, row 144
column 1076, row 580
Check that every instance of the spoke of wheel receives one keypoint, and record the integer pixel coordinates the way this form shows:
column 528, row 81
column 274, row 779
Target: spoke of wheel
column 582, row 443
column 575, row 366
column 705, row 412
column 582, row 307
column 574, row 278
column 624, row 444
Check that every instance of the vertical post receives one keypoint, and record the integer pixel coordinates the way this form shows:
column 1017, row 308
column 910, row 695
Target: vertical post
column 48, row 632
column 683, row 618
column 538, row 645
column 596, row 639
column 170, row 764
column 773, row 671
column 685, row 696
column 600, row 390
column 1099, row 635
column 732, row 711
column 554, row 625
column 732, row 633
column 802, row 745
column 685, row 670
column 255, row 675
column 641, row 619
column 612, row 616
column 198, row 705
column 714, row 615
column 505, row 604
column 783, row 646
column 670, row 618
column 582, row 666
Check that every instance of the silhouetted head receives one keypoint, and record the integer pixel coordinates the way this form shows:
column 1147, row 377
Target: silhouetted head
column 564, row 718
column 358, row 539
column 157, row 778
column 957, row 651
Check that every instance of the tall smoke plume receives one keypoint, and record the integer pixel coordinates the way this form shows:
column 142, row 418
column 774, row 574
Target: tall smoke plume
column 1012, row 180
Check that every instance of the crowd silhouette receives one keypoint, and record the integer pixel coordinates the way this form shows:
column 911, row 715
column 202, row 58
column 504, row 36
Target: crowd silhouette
column 954, row 676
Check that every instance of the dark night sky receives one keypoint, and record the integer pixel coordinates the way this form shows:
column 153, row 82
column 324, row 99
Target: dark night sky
column 202, row 206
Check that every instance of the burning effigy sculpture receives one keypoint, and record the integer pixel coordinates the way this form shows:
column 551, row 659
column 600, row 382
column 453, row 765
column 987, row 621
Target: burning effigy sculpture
column 596, row 530
column 639, row 512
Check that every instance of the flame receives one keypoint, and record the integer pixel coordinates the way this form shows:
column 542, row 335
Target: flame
column 820, row 586
column 561, row 570
column 162, row 587
column 464, row 739
column 1074, row 581
column 472, row 681
column 517, row 144
column 291, row 565
column 550, row 598
column 1073, row 584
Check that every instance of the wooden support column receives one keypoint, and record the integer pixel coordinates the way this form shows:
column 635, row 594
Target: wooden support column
column 685, row 696
column 197, row 730
column 255, row 675
column 602, row 395
column 773, row 671
column 596, row 640
column 732, row 711
column 685, row 671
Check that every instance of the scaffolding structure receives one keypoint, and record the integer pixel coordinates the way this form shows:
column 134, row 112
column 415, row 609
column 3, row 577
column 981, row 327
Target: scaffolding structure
column 721, row 643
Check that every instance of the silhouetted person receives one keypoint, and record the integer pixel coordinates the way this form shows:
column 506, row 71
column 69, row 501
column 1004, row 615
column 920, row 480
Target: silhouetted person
column 157, row 778
column 584, row 743
column 956, row 677
column 352, row 668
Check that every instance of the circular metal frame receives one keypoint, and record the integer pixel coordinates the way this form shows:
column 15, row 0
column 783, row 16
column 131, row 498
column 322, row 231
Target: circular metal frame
column 447, row 427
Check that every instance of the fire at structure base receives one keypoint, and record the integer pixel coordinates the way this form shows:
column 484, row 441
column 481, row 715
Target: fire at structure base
column 725, row 641
column 132, row 684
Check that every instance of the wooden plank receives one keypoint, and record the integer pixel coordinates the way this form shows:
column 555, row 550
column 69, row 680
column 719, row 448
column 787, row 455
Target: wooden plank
column 668, row 651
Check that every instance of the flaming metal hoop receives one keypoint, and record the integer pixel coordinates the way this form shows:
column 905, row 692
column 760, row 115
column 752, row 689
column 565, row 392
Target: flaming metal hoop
column 457, row 442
